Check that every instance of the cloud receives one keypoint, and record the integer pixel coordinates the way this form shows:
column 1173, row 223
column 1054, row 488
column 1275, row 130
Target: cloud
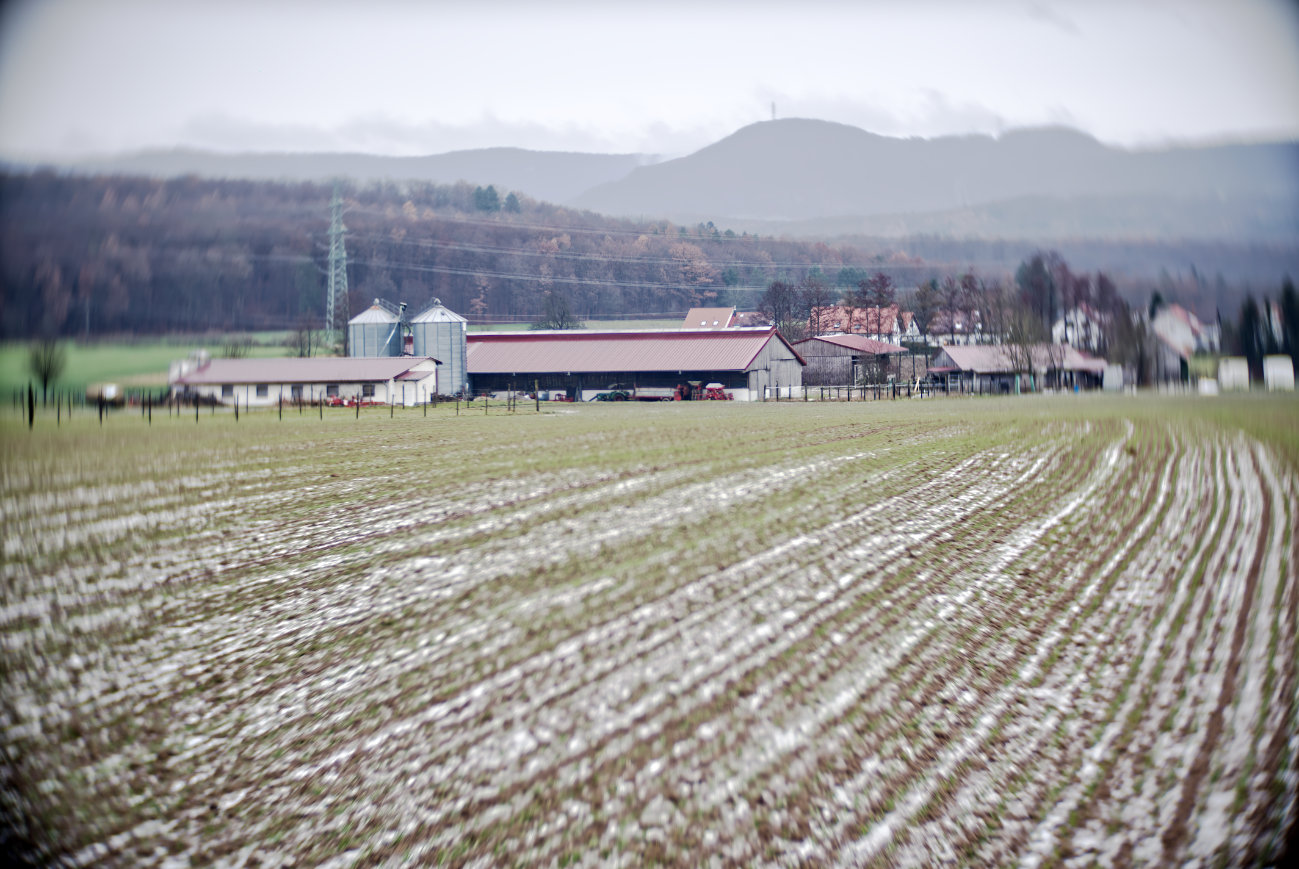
column 1053, row 17
column 381, row 134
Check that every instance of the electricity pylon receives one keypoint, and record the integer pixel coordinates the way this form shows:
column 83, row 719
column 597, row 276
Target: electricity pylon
column 336, row 300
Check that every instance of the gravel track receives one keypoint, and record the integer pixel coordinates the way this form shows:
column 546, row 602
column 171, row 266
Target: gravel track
column 737, row 636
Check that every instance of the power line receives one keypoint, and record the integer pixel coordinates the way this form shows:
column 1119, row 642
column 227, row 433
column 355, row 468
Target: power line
column 604, row 258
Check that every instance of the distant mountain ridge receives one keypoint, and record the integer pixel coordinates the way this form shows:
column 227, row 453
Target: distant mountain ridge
column 553, row 176
column 809, row 178
column 830, row 175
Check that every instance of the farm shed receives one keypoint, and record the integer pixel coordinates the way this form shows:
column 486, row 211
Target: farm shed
column 1278, row 373
column 582, row 364
column 1233, row 373
column 1007, row 368
column 845, row 360
column 404, row 380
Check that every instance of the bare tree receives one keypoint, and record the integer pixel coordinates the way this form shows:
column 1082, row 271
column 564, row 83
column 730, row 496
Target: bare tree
column 304, row 340
column 854, row 298
column 46, row 361
column 951, row 295
column 816, row 298
column 1024, row 333
column 556, row 313
column 924, row 303
column 993, row 304
column 880, row 295
column 236, row 347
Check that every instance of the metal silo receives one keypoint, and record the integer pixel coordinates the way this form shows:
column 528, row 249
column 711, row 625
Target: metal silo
column 440, row 332
column 375, row 331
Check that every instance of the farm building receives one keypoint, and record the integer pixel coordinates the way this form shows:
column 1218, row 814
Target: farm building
column 984, row 368
column 1233, row 373
column 845, row 360
column 581, row 365
column 405, row 380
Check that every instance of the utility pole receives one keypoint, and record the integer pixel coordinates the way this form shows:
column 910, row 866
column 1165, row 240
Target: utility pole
column 336, row 300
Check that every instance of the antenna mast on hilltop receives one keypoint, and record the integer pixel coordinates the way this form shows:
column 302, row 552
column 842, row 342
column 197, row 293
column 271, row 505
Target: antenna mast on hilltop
column 336, row 300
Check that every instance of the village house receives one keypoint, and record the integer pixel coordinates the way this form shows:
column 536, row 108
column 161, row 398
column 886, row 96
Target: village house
column 709, row 318
column 956, row 327
column 882, row 324
column 1081, row 327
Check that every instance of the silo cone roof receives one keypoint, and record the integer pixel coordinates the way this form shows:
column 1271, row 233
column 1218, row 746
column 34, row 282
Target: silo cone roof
column 374, row 314
column 438, row 313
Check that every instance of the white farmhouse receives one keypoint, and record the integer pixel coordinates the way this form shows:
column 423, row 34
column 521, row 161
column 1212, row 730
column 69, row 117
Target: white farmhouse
column 404, row 380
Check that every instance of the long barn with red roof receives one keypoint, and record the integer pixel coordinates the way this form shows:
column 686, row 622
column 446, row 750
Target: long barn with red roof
column 581, row 364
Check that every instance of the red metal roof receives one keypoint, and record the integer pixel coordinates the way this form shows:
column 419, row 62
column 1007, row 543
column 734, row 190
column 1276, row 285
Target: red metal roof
column 569, row 351
column 708, row 318
column 860, row 343
column 316, row 369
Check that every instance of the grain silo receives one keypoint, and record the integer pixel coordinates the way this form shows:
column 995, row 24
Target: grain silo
column 440, row 332
column 375, row 331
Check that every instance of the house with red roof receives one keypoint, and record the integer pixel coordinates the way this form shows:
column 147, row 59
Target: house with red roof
column 883, row 324
column 709, row 318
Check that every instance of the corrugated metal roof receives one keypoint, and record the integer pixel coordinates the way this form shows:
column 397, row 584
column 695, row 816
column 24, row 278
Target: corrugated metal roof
column 376, row 313
column 580, row 351
column 992, row 359
column 318, row 369
column 860, row 343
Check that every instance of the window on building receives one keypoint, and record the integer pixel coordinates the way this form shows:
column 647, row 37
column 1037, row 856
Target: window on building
column 296, row 392
column 262, row 390
column 331, row 389
column 367, row 390
column 227, row 390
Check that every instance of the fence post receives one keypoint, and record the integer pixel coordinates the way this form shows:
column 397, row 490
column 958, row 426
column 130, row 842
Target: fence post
column 536, row 394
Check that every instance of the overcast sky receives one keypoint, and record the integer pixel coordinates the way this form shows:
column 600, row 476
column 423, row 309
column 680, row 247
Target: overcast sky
column 667, row 77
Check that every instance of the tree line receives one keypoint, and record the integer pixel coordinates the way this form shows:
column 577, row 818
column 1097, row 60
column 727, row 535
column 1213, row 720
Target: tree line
column 91, row 256
column 1266, row 329
column 105, row 255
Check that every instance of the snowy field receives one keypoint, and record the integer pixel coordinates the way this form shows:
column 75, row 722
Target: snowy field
column 1034, row 632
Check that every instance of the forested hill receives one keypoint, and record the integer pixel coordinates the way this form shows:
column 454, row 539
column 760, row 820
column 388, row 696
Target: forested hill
column 555, row 176
column 107, row 255
column 95, row 255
